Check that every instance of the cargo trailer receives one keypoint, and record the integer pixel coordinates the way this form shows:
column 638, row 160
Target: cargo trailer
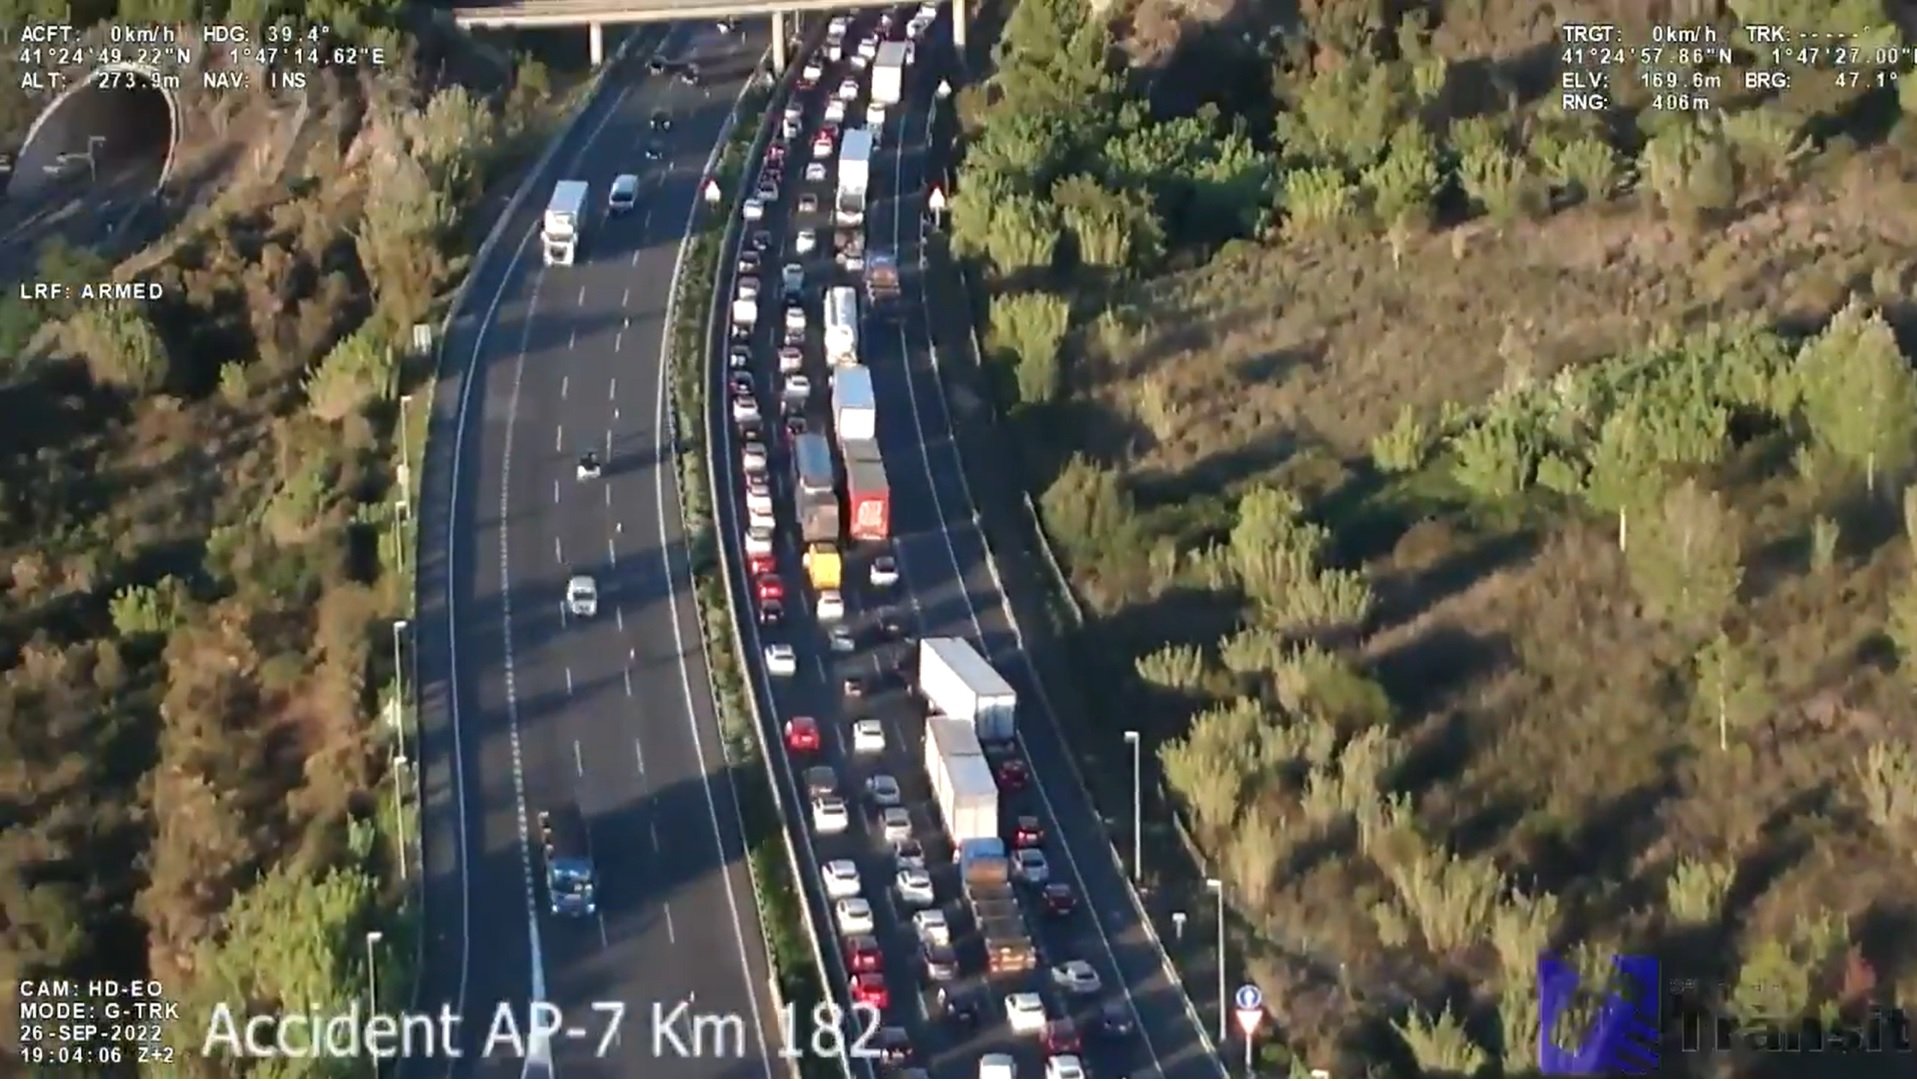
column 868, row 494
column 855, row 407
column 958, row 682
column 962, row 782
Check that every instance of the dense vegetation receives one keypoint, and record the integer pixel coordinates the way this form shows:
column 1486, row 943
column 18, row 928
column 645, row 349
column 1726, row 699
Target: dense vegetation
column 203, row 557
column 1501, row 509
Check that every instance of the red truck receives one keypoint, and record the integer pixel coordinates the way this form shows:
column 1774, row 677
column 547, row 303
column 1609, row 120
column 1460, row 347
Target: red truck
column 868, row 495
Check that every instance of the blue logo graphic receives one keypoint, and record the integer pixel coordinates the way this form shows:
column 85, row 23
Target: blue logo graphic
column 1622, row 1041
column 1248, row 997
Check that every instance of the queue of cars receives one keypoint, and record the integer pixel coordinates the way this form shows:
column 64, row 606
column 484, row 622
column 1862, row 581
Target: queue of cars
column 773, row 370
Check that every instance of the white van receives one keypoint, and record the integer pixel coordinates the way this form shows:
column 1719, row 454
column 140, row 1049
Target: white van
column 624, row 194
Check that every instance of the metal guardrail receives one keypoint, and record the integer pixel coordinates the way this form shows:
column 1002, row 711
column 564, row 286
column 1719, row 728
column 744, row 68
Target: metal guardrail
column 790, row 819
column 1038, row 682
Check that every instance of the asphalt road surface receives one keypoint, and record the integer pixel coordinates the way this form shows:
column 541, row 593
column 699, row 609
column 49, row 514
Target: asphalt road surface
column 948, row 589
column 83, row 212
column 524, row 707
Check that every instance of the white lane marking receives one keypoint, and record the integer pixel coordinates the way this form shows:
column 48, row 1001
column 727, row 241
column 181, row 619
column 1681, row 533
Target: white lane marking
column 608, row 488
column 619, row 617
column 612, row 556
column 582, row 296
column 558, row 555
column 671, row 935
column 653, row 827
column 638, row 752
column 951, row 551
column 627, row 672
column 572, row 337
column 618, row 339
column 612, row 391
column 569, row 688
column 555, row 491
column 626, row 300
column 565, row 382
column 558, row 432
column 662, row 467
column 635, row 258
column 578, row 759
column 609, row 458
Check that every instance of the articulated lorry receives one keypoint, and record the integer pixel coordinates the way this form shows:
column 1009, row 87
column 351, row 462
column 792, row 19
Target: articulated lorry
column 957, row 682
column 963, row 786
column 564, row 221
column 842, row 326
column 855, row 177
column 855, row 404
column 985, row 874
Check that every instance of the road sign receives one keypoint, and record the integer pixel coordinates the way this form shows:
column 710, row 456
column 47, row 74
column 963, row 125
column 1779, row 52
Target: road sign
column 936, row 200
column 1248, row 1003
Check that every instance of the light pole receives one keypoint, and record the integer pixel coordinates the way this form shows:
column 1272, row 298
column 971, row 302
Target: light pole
column 399, row 753
column 94, row 142
column 1138, row 818
column 1217, row 886
column 405, row 481
column 372, row 990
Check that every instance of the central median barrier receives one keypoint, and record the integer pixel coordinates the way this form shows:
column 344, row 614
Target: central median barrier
column 797, row 926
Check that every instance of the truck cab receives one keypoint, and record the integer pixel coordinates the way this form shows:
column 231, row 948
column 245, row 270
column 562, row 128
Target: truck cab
column 565, row 218
column 568, row 855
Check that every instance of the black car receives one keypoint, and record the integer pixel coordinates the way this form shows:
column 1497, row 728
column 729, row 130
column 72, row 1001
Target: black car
column 941, row 964
column 795, row 425
column 661, row 120
column 955, row 1005
column 762, row 240
column 749, row 262
column 689, row 75
column 654, row 152
column 771, row 613
column 894, row 1046
column 1115, row 1019
column 854, row 687
column 657, row 65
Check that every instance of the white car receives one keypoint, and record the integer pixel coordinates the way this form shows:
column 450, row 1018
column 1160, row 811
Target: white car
column 875, row 117
column 896, row 824
column 885, row 572
column 758, row 496
column 815, row 172
column 1077, row 978
column 744, row 409
column 841, row 879
column 781, row 659
column 848, row 89
column 869, row 47
column 868, row 736
column 928, row 11
column 754, row 210
column 747, row 289
column 932, row 926
column 752, row 456
column 829, row 815
column 792, row 277
column 813, row 71
column 840, row 640
column 915, row 888
column 884, row 789
column 854, row 916
column 791, row 359
column 758, row 542
column 1064, row 1068
column 1025, row 1012
column 831, row 606
column 761, row 519
column 835, row 111
column 795, row 318
column 624, row 194
column 582, row 596
column 805, row 241
column 790, row 127
column 1031, row 866
column 997, row 1066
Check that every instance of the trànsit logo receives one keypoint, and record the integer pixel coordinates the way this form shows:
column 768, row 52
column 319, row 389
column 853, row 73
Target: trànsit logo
column 1622, row 1039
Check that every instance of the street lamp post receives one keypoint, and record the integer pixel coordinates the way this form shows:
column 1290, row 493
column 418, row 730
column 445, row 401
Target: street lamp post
column 94, row 142
column 1217, row 886
column 399, row 751
column 405, row 481
column 372, row 989
column 1138, row 817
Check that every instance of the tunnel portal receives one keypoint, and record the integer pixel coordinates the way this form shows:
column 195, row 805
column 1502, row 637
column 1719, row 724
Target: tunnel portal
column 121, row 126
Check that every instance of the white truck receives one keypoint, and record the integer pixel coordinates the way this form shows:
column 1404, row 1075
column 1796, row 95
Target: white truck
column 855, row 177
column 888, row 74
column 855, row 408
column 957, row 682
column 842, row 326
column 962, row 782
column 565, row 219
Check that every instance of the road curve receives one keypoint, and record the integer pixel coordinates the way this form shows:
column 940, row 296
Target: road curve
column 523, row 707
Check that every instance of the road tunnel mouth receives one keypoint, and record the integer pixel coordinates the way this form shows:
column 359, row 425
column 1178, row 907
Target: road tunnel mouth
column 120, row 127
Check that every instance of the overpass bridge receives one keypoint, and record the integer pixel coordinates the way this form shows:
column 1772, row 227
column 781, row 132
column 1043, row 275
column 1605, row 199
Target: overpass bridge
column 596, row 15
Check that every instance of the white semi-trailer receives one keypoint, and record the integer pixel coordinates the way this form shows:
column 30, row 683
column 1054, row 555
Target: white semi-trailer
column 962, row 781
column 957, row 682
column 855, row 412
column 855, row 177
column 842, row 325
column 565, row 220
column 888, row 74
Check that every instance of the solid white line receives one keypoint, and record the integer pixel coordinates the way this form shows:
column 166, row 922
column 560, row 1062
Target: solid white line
column 662, row 466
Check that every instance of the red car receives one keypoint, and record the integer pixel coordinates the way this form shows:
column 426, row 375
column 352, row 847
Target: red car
column 761, row 563
column 1059, row 1038
column 770, row 588
column 1029, row 833
column 802, row 735
column 868, row 989
column 1012, row 774
column 862, row 954
column 1059, row 899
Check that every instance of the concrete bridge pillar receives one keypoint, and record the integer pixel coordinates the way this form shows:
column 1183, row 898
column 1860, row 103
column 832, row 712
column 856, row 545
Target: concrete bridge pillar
column 598, row 43
column 779, row 58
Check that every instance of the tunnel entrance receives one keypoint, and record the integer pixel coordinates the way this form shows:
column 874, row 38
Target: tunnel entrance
column 117, row 132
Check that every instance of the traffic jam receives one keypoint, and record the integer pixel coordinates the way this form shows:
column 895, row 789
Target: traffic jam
column 933, row 856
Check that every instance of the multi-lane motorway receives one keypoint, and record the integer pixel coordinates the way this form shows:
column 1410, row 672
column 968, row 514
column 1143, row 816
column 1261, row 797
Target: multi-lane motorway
column 526, row 708
column 948, row 589
column 78, row 210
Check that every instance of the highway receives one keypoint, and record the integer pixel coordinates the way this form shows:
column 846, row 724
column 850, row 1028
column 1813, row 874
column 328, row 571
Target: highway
column 77, row 210
column 948, row 589
column 525, row 708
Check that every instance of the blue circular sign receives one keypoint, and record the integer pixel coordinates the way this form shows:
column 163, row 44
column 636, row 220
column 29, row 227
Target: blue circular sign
column 1248, row 997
